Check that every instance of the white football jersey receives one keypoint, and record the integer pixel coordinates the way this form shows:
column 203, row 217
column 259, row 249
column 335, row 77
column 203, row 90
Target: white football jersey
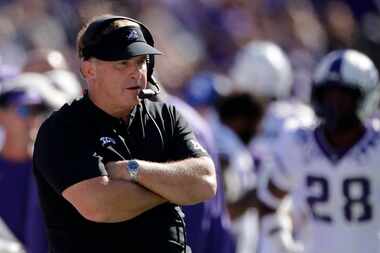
column 239, row 178
column 342, row 194
column 280, row 116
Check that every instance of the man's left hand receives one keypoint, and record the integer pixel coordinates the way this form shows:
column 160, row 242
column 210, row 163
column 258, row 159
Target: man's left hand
column 118, row 170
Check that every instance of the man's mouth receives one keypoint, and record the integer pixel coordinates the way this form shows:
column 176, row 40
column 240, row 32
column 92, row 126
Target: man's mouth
column 133, row 88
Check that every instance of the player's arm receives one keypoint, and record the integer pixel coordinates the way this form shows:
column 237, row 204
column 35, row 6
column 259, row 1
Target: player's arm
column 276, row 231
column 245, row 202
column 275, row 184
column 270, row 198
column 102, row 199
column 250, row 198
column 184, row 182
column 276, row 226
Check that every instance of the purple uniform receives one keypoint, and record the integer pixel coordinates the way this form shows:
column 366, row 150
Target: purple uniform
column 19, row 207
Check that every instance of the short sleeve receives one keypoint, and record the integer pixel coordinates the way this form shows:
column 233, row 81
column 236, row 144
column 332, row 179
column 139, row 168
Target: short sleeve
column 65, row 155
column 276, row 172
column 183, row 143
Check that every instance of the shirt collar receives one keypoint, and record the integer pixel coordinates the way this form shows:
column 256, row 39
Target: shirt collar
column 99, row 115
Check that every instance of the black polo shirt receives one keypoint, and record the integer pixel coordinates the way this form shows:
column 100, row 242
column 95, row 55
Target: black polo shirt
column 68, row 150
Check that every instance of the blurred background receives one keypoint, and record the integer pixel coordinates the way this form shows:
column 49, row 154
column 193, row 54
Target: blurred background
column 213, row 49
column 200, row 35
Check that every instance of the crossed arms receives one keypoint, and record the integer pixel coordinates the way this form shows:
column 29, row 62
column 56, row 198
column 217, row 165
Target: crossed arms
column 116, row 198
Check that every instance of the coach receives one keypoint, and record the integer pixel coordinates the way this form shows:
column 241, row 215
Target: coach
column 113, row 167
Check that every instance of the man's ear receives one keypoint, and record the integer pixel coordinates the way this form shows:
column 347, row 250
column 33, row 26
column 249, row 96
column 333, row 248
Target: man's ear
column 88, row 70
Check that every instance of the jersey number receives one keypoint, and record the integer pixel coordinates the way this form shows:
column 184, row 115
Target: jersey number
column 356, row 192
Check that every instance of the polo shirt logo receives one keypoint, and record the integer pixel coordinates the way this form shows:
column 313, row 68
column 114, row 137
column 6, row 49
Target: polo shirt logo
column 197, row 146
column 107, row 140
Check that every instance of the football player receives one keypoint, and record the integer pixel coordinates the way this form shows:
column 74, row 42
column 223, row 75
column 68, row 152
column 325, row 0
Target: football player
column 331, row 169
column 263, row 70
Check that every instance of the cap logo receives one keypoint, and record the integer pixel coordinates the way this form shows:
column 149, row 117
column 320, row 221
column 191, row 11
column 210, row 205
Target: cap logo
column 132, row 35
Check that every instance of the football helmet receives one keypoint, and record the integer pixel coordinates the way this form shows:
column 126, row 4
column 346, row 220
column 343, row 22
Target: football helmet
column 351, row 69
column 262, row 69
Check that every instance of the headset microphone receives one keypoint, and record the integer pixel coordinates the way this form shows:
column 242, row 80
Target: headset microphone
column 147, row 93
column 150, row 93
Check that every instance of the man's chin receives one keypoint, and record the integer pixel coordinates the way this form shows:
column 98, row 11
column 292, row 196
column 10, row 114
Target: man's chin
column 131, row 100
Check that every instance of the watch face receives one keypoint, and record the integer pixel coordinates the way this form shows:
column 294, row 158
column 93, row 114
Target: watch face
column 133, row 169
column 133, row 166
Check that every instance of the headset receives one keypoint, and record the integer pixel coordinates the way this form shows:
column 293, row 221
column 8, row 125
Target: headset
column 108, row 19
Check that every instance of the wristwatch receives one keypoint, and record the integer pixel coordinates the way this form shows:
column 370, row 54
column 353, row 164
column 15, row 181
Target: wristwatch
column 133, row 168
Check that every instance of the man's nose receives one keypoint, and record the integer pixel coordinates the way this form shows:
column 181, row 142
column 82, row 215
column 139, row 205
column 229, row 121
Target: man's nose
column 135, row 71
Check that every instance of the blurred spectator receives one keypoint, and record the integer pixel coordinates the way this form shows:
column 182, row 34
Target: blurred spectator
column 192, row 31
column 7, row 72
column 54, row 66
column 341, row 27
column 36, row 24
column 56, row 87
column 43, row 60
column 11, row 51
column 184, row 51
column 21, row 112
column 24, row 101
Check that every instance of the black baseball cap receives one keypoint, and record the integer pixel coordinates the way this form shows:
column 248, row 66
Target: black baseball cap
column 118, row 44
